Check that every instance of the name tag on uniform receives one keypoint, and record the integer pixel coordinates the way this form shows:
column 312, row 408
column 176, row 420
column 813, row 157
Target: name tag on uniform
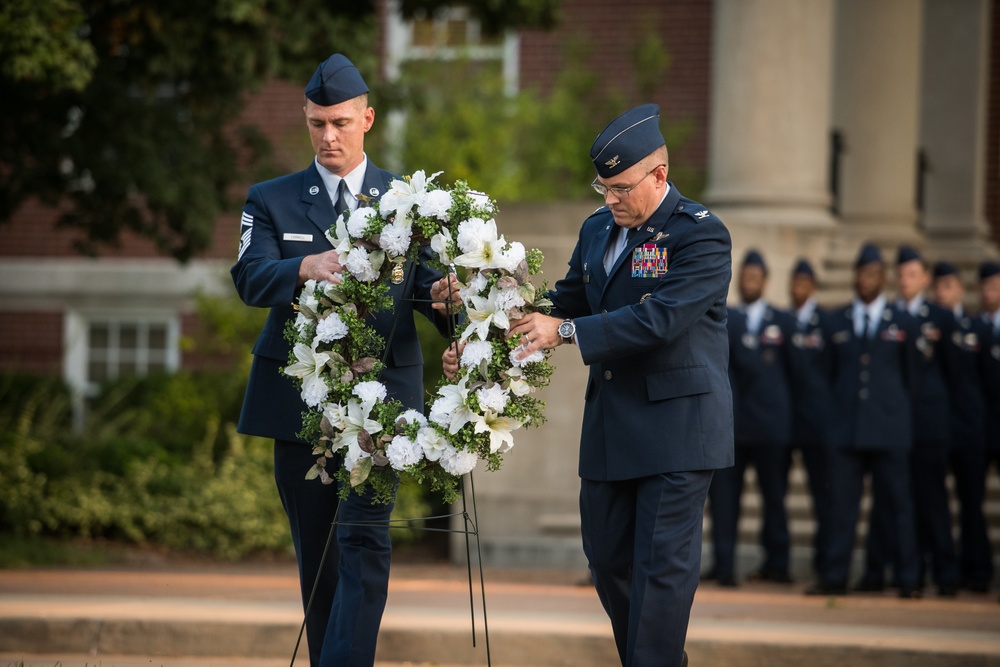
column 297, row 237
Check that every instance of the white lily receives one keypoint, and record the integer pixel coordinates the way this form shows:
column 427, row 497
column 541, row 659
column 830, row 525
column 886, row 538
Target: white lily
column 404, row 195
column 483, row 249
column 482, row 313
column 440, row 243
column 499, row 428
column 449, row 409
column 354, row 420
column 340, row 239
column 308, row 367
column 432, row 443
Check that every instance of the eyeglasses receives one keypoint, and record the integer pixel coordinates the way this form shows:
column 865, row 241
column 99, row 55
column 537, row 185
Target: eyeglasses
column 621, row 193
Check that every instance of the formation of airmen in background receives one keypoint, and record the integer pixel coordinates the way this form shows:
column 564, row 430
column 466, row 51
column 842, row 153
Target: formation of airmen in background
column 904, row 390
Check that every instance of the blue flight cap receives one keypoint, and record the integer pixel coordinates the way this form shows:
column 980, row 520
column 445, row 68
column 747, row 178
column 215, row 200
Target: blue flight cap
column 988, row 269
column 942, row 269
column 334, row 81
column 907, row 254
column 869, row 254
column 754, row 258
column 803, row 268
column 626, row 140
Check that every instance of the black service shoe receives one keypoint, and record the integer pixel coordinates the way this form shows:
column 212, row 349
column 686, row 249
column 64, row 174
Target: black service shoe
column 827, row 589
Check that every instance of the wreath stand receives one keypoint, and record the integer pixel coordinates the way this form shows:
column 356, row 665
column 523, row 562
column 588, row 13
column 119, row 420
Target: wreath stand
column 470, row 522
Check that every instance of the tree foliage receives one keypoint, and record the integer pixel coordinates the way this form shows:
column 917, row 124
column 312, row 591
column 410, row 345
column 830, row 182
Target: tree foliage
column 123, row 112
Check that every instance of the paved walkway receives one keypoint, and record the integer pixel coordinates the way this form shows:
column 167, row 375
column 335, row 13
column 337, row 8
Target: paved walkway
column 186, row 616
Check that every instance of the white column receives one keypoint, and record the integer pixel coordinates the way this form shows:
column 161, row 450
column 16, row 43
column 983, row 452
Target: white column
column 953, row 127
column 768, row 158
column 876, row 107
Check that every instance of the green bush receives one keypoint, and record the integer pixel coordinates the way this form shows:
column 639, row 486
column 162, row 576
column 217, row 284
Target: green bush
column 158, row 460
column 532, row 146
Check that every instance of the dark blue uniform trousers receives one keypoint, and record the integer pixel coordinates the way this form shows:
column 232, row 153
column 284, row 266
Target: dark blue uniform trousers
column 890, row 473
column 929, row 466
column 771, row 463
column 355, row 575
column 968, row 464
column 642, row 538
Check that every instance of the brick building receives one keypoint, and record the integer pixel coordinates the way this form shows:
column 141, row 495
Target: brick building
column 911, row 88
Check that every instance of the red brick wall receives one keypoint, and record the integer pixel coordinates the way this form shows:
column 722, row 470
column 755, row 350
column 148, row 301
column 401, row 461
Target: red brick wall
column 992, row 189
column 31, row 342
column 611, row 29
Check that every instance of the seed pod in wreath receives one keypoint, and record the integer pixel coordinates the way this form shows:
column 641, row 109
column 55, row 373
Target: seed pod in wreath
column 327, row 428
column 363, row 365
column 365, row 441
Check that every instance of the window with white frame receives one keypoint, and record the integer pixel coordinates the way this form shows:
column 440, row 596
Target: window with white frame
column 105, row 346
column 449, row 34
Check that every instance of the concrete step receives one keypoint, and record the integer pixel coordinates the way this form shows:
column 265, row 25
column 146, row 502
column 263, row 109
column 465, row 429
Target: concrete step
column 537, row 618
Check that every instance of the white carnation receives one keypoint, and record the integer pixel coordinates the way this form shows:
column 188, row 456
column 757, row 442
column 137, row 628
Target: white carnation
column 534, row 357
column 457, row 462
column 432, row 443
column 513, row 256
column 494, row 398
column 314, row 393
column 370, row 392
column 480, row 200
column 357, row 226
column 509, row 298
column 360, row 265
column 414, row 417
column 330, row 328
column 395, row 240
column 440, row 413
column 470, row 232
column 403, row 452
column 436, row 204
column 476, row 352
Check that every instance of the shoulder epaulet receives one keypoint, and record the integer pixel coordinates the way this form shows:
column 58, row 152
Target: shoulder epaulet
column 693, row 210
column 599, row 209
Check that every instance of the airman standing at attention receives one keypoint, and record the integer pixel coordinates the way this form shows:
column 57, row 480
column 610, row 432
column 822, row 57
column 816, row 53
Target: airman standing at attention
column 967, row 350
column 873, row 349
column 760, row 339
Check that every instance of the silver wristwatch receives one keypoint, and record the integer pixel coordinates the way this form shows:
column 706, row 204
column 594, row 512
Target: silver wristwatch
column 567, row 329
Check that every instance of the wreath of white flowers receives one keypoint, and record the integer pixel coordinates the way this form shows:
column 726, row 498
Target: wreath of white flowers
column 335, row 358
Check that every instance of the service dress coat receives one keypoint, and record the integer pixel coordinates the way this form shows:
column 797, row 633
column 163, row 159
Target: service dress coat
column 283, row 220
column 653, row 332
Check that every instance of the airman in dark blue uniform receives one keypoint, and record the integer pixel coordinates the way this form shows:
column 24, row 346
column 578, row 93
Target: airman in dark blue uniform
column 932, row 432
column 282, row 246
column 966, row 350
column 989, row 299
column 812, row 398
column 645, row 300
column 873, row 348
column 760, row 343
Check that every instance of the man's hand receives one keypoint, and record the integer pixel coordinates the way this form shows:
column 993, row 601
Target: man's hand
column 449, row 360
column 538, row 332
column 324, row 266
column 445, row 295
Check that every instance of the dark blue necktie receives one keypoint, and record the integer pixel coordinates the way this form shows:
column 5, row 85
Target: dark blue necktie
column 341, row 207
